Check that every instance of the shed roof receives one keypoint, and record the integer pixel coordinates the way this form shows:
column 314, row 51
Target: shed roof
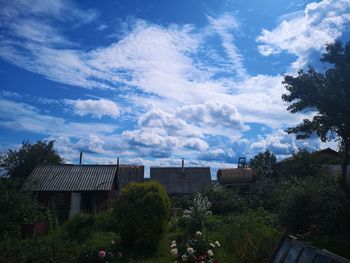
column 289, row 249
column 192, row 180
column 69, row 177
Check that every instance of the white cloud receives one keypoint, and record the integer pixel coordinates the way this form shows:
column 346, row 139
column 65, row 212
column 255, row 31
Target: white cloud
column 97, row 108
column 24, row 117
column 283, row 144
column 223, row 26
column 321, row 23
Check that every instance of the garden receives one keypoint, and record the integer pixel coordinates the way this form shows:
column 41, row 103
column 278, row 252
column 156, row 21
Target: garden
column 216, row 225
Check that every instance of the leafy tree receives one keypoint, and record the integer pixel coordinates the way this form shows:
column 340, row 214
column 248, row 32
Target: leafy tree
column 19, row 164
column 263, row 164
column 328, row 94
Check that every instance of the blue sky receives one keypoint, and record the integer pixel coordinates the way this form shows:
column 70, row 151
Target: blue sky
column 153, row 81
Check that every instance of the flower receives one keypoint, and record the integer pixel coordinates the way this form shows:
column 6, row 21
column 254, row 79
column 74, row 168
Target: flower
column 184, row 257
column 173, row 242
column 112, row 242
column 119, row 254
column 190, row 250
column 210, row 253
column 216, row 261
column 217, row 243
column 174, row 252
column 102, row 253
column 198, row 233
column 212, row 245
column 173, row 245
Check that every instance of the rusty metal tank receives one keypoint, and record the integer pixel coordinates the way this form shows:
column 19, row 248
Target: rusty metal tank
column 232, row 176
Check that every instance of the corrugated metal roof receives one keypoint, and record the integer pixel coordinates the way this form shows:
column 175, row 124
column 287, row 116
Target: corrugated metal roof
column 194, row 179
column 289, row 249
column 69, row 177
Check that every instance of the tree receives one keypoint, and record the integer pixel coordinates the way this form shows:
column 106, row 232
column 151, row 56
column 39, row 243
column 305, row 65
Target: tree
column 263, row 164
column 19, row 164
column 328, row 95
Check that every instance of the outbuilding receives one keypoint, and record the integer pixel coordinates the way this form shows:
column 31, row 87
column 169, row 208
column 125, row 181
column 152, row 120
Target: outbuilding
column 73, row 188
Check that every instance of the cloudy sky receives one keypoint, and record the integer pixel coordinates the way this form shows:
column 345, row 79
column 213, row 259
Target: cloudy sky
column 153, row 81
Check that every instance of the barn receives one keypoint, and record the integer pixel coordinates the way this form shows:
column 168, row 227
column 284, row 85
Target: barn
column 73, row 188
column 182, row 180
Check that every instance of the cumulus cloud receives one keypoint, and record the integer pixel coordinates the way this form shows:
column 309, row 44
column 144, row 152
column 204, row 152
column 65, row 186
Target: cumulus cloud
column 320, row 23
column 213, row 113
column 283, row 144
column 97, row 108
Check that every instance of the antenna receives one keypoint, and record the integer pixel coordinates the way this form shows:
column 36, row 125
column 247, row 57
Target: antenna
column 81, row 157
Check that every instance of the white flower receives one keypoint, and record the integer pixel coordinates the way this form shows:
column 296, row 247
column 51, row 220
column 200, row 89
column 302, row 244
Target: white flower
column 198, row 233
column 210, row 252
column 212, row 245
column 217, row 243
column 173, row 245
column 173, row 242
column 174, row 252
column 190, row 250
column 112, row 242
column 184, row 257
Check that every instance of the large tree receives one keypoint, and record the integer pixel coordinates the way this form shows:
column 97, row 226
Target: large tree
column 19, row 164
column 328, row 95
column 263, row 164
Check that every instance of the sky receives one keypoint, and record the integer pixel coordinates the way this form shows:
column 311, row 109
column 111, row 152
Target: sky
column 151, row 82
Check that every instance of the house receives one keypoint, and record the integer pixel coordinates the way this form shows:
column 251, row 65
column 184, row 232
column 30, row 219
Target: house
column 73, row 188
column 327, row 161
column 182, row 180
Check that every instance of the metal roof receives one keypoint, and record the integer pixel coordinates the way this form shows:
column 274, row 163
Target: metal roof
column 289, row 249
column 69, row 177
column 178, row 180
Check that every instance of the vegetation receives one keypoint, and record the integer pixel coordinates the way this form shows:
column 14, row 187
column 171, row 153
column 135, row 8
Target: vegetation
column 326, row 93
column 141, row 213
column 263, row 164
column 19, row 164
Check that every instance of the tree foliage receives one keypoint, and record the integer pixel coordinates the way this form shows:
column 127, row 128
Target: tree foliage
column 263, row 164
column 328, row 95
column 19, row 164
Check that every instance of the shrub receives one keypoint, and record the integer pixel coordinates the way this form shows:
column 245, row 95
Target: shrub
column 224, row 201
column 101, row 247
column 311, row 204
column 16, row 208
column 141, row 213
column 251, row 235
column 103, row 221
column 193, row 220
column 79, row 227
column 197, row 248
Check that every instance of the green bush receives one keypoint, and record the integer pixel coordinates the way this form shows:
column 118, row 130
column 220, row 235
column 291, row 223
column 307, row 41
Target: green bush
column 251, row 235
column 141, row 213
column 16, row 209
column 79, row 227
column 103, row 221
column 224, row 201
column 313, row 204
column 108, row 242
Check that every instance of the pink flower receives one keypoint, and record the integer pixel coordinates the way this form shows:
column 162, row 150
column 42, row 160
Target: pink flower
column 102, row 253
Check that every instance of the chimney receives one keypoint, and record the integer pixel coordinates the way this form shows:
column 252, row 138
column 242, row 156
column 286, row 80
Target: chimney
column 182, row 166
column 81, row 157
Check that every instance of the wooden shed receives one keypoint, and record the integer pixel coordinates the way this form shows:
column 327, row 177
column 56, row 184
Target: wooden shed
column 182, row 180
column 74, row 188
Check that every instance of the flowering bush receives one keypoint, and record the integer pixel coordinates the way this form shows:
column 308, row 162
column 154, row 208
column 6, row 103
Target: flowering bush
column 195, row 249
column 194, row 218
